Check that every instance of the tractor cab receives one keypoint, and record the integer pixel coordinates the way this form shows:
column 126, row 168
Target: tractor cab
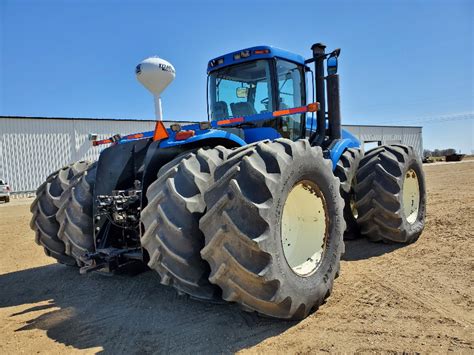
column 258, row 80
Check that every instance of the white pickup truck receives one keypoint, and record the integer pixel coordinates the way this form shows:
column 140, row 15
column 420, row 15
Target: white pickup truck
column 4, row 191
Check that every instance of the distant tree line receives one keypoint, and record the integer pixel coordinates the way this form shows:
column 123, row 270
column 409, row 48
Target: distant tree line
column 438, row 152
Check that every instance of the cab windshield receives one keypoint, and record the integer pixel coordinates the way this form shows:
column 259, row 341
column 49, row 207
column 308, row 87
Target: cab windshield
column 247, row 89
column 240, row 90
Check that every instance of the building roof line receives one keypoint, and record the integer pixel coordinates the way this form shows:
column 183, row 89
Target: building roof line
column 148, row 120
column 89, row 119
column 375, row 125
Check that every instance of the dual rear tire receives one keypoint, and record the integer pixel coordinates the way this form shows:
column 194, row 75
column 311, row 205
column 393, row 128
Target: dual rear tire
column 252, row 214
column 391, row 195
column 45, row 207
column 346, row 170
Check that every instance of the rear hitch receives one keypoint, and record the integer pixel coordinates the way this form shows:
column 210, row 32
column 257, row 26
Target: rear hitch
column 116, row 251
column 111, row 260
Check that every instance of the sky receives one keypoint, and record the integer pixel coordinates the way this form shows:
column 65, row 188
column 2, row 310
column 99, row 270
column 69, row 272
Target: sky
column 406, row 62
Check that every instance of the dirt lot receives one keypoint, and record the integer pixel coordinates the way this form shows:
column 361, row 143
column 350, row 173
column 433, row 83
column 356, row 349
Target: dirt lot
column 416, row 298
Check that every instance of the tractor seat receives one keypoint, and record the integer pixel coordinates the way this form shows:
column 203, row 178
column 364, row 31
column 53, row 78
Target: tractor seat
column 240, row 109
column 220, row 111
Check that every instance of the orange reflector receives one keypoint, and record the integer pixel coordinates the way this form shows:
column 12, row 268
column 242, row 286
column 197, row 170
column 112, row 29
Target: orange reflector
column 290, row 111
column 313, row 107
column 232, row 120
column 135, row 136
column 183, row 135
column 281, row 113
column 103, row 141
column 160, row 131
column 261, row 51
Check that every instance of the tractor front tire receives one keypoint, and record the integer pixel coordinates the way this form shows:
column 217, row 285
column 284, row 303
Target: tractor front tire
column 171, row 234
column 44, row 209
column 346, row 170
column 391, row 195
column 75, row 215
column 274, row 228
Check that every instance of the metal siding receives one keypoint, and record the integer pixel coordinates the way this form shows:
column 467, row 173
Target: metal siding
column 32, row 148
column 389, row 134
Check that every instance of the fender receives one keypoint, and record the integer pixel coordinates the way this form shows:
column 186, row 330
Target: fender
column 161, row 152
column 226, row 138
column 257, row 134
column 348, row 140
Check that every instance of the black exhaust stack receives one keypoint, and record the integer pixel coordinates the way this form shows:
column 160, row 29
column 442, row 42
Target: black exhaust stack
column 334, row 107
column 318, row 57
column 333, row 99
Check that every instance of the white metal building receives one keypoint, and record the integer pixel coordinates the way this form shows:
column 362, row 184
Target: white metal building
column 408, row 135
column 31, row 148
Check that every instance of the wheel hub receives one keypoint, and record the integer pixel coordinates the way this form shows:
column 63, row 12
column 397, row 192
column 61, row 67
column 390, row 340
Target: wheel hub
column 411, row 196
column 304, row 228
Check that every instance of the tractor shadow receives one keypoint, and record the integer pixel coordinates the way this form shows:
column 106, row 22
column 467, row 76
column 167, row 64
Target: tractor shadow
column 361, row 249
column 124, row 314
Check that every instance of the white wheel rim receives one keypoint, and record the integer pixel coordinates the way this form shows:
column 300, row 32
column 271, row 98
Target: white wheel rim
column 353, row 206
column 411, row 196
column 352, row 201
column 304, row 228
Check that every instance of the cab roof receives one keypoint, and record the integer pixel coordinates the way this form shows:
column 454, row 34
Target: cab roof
column 252, row 53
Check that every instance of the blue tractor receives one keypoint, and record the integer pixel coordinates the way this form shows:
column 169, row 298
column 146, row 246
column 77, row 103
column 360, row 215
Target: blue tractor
column 250, row 206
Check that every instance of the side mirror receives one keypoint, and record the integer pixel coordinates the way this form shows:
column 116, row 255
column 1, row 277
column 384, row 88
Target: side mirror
column 331, row 65
column 332, row 61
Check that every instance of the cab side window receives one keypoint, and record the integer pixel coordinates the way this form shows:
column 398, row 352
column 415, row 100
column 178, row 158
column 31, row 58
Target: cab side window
column 291, row 92
column 290, row 84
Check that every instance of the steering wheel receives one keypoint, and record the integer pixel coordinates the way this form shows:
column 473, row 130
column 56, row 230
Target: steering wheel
column 265, row 101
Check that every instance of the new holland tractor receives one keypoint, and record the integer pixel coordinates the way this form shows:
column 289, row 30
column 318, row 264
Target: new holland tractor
column 250, row 206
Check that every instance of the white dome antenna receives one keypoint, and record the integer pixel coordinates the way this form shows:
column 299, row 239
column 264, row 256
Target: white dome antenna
column 155, row 74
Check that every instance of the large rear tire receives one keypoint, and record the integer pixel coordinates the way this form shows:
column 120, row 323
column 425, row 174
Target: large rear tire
column 274, row 228
column 46, row 205
column 75, row 215
column 171, row 235
column 391, row 195
column 346, row 170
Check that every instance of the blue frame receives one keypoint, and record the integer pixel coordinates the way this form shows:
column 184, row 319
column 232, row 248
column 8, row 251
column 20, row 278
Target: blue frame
column 251, row 135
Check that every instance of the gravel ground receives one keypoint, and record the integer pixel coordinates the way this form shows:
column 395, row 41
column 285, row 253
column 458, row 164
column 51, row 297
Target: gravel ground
column 416, row 298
